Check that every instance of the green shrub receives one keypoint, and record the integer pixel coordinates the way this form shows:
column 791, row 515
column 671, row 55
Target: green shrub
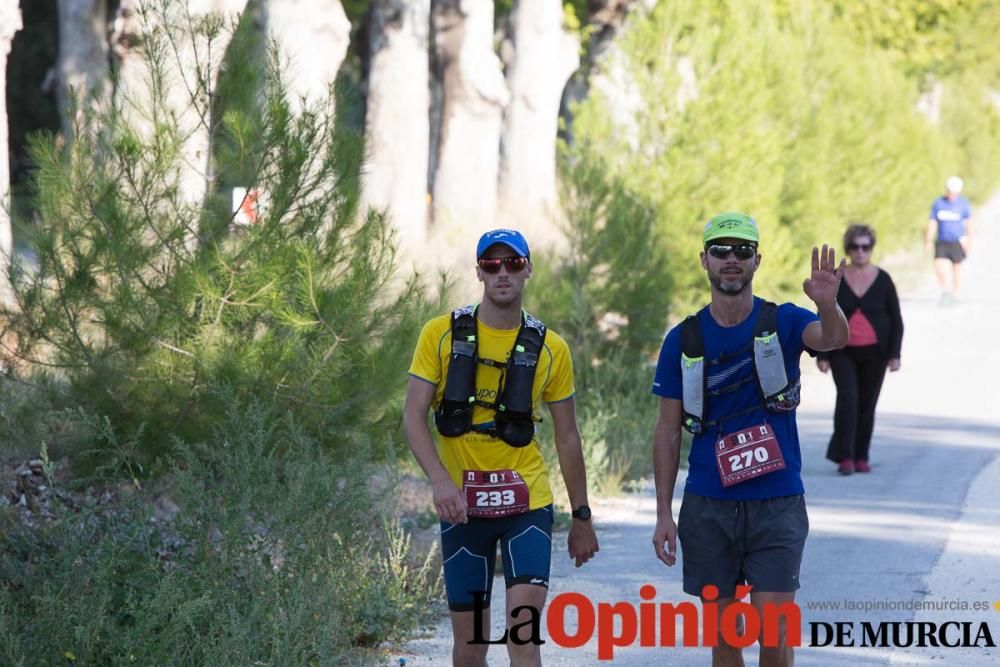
column 608, row 296
column 252, row 374
column 141, row 301
column 276, row 553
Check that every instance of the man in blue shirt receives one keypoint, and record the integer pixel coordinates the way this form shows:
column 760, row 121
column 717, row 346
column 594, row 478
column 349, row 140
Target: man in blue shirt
column 949, row 229
column 743, row 516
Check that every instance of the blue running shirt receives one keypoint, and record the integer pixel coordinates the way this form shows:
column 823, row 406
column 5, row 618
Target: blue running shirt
column 951, row 217
column 736, row 344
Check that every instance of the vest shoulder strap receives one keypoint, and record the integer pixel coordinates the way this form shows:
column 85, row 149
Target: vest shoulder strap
column 769, row 361
column 463, row 323
column 515, row 422
column 532, row 334
column 459, row 385
column 693, row 381
column 692, row 342
column 767, row 320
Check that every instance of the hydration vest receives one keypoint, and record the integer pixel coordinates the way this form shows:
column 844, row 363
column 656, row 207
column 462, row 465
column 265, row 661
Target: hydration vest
column 777, row 393
column 513, row 422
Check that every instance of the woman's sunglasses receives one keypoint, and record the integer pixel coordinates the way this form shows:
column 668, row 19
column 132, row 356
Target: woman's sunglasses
column 742, row 252
column 864, row 247
column 513, row 264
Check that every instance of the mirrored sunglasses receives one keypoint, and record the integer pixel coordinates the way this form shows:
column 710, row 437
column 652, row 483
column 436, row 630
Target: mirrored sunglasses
column 742, row 252
column 493, row 264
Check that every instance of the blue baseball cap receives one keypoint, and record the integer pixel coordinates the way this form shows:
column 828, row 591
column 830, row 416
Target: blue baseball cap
column 508, row 237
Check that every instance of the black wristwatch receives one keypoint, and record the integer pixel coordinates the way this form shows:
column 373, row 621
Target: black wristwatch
column 582, row 513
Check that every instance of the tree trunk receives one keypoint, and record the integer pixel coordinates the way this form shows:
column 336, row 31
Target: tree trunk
column 603, row 69
column 10, row 23
column 312, row 38
column 84, row 73
column 542, row 59
column 187, row 44
column 474, row 93
column 397, row 123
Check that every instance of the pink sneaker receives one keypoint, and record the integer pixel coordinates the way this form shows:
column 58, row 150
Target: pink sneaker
column 846, row 467
column 862, row 466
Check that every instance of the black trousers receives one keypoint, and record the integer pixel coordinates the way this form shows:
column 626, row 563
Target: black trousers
column 858, row 373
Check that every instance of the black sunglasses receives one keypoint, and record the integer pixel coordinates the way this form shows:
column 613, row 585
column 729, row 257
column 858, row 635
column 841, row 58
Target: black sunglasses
column 742, row 252
column 513, row 264
column 865, row 247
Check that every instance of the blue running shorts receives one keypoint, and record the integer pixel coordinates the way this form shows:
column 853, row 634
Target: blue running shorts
column 469, row 552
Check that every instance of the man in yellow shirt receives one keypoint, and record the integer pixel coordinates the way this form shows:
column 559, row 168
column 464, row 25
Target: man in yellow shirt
column 483, row 370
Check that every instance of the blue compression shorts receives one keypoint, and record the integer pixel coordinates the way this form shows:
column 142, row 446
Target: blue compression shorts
column 469, row 552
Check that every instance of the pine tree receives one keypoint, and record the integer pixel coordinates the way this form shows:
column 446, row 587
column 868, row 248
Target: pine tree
column 299, row 310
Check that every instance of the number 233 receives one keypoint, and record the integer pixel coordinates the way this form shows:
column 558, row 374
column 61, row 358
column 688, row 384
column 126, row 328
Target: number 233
column 494, row 498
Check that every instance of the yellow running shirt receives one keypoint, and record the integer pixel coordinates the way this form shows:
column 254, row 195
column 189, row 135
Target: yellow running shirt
column 479, row 451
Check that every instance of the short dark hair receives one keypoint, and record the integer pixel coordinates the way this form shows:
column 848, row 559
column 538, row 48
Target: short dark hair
column 856, row 229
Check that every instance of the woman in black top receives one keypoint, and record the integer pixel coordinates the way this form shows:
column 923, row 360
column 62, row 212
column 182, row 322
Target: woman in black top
column 868, row 298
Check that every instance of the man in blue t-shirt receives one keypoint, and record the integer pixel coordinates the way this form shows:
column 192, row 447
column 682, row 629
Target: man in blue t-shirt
column 949, row 231
column 743, row 516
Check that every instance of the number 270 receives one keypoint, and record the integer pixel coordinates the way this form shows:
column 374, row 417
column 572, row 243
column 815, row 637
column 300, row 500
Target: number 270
column 744, row 459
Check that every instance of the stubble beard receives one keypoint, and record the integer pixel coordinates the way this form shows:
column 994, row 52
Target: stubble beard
column 734, row 286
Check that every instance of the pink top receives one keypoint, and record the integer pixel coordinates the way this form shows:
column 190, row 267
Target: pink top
column 861, row 331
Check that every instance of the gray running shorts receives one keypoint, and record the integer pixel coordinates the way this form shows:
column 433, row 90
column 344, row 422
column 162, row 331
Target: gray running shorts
column 731, row 542
column 950, row 250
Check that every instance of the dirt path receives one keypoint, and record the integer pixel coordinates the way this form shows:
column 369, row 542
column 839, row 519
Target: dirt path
column 922, row 529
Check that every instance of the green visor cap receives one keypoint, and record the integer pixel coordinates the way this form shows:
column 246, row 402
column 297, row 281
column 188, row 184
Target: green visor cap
column 731, row 226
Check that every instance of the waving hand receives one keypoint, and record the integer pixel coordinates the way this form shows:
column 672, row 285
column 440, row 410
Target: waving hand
column 824, row 282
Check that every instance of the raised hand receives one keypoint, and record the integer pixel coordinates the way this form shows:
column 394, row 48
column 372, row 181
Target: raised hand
column 824, row 283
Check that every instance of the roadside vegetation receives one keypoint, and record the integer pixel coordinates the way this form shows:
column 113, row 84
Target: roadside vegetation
column 212, row 410
column 216, row 404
